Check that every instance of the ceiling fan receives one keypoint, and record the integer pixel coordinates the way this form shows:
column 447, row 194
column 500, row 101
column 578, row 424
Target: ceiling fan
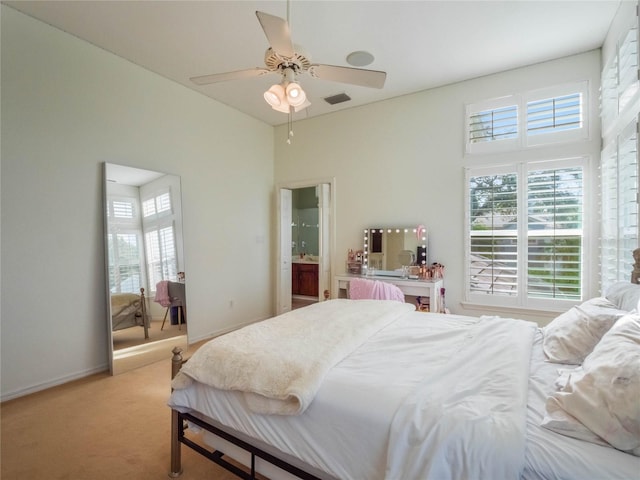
column 289, row 61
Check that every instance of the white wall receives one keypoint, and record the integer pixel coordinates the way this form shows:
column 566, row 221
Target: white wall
column 67, row 107
column 400, row 162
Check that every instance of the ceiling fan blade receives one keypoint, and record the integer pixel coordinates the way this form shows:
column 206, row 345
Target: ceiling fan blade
column 354, row 76
column 278, row 34
column 223, row 77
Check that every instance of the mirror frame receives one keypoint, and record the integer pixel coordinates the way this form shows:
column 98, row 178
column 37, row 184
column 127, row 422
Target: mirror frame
column 148, row 350
column 421, row 241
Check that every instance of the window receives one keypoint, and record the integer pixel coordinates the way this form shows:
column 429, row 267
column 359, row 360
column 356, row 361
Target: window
column 525, row 233
column 492, row 125
column 620, row 79
column 555, row 114
column 619, row 206
column 628, row 81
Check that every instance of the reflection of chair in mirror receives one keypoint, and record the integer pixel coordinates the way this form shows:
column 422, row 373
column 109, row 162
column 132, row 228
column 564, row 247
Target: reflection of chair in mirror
column 172, row 295
column 129, row 310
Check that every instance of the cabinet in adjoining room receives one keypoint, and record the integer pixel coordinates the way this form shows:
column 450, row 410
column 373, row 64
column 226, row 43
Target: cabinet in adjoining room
column 304, row 279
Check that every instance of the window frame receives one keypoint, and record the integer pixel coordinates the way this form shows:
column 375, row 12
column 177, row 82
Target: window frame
column 521, row 300
column 558, row 136
column 490, row 105
column 523, row 140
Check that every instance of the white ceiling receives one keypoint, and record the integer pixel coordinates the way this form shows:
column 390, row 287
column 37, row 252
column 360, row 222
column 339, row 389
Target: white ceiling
column 420, row 44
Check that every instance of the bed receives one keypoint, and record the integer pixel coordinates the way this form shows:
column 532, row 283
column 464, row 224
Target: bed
column 129, row 310
column 417, row 396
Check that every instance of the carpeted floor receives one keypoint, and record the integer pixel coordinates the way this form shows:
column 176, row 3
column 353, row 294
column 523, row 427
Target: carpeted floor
column 100, row 427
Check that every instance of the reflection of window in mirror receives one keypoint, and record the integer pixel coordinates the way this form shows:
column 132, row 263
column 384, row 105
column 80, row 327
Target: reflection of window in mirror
column 137, row 213
column 124, row 241
column 159, row 234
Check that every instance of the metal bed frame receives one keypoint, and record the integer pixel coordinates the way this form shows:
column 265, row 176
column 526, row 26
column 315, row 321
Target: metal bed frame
column 179, row 426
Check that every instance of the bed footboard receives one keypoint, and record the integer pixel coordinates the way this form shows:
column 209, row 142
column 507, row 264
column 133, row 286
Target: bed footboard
column 176, row 420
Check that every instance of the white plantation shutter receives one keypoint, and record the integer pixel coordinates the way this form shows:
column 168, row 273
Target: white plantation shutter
column 555, row 211
column 627, row 60
column 619, row 206
column 156, row 205
column 159, row 228
column 525, row 233
column 609, row 216
column 554, row 114
column 123, row 209
column 493, row 234
column 494, row 125
column 549, row 115
column 123, row 238
column 609, row 92
column 163, row 202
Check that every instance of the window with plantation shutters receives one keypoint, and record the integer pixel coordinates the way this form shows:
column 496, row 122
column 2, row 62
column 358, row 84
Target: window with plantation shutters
column 124, row 245
column 157, row 205
column 619, row 206
column 554, row 114
column 554, row 233
column 159, row 234
column 493, row 235
column 525, row 233
column 528, row 119
column 494, row 125
column 161, row 254
column 627, row 59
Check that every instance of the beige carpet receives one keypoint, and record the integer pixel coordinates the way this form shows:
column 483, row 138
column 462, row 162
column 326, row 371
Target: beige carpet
column 100, row 427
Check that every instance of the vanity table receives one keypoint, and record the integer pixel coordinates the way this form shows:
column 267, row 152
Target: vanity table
column 426, row 288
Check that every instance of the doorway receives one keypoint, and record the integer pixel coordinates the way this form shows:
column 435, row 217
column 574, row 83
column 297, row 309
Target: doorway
column 303, row 230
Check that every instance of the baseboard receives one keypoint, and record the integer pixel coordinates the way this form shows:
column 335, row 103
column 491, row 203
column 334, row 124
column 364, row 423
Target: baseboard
column 52, row 383
column 217, row 333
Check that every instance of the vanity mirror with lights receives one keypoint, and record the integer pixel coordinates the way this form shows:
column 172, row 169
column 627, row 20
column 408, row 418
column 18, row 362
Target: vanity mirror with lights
column 394, row 255
column 388, row 250
column 144, row 260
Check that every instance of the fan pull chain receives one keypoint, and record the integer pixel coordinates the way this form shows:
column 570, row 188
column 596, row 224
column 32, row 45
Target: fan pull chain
column 290, row 126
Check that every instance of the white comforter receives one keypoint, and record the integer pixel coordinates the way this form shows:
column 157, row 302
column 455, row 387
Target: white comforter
column 467, row 417
column 455, row 388
column 280, row 363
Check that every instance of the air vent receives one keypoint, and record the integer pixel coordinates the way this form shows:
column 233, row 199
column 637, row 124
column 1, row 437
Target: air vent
column 339, row 98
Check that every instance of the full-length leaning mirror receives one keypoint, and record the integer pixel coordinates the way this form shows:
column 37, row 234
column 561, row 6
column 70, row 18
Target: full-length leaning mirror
column 146, row 281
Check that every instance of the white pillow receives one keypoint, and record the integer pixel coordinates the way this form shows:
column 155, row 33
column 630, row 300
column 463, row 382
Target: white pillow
column 625, row 296
column 600, row 402
column 570, row 337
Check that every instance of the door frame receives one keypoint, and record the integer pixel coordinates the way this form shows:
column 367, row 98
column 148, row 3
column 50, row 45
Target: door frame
column 293, row 185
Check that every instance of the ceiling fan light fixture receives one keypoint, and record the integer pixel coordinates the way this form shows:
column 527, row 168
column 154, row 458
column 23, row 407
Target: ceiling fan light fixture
column 295, row 94
column 284, row 108
column 303, row 106
column 275, row 96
